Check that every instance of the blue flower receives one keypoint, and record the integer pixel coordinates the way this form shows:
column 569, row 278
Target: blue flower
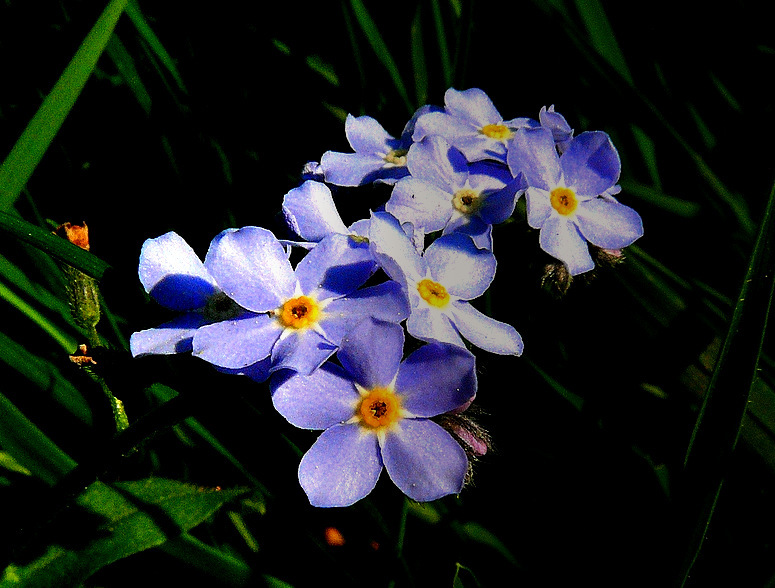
column 377, row 157
column 440, row 283
column 375, row 412
column 172, row 273
column 556, row 123
column 471, row 123
column 293, row 319
column 564, row 195
column 445, row 193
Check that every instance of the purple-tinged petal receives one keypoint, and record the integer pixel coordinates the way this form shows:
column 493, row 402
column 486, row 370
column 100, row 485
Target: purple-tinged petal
column 423, row 460
column 473, row 226
column 371, row 352
column 538, row 207
column 337, row 266
column 302, row 351
column 435, row 161
column 424, row 205
column 311, row 213
column 252, row 268
column 172, row 337
column 173, row 274
column 556, row 123
column 532, row 152
column 352, row 169
column 591, row 164
column 479, row 147
column 486, row 332
column 408, row 132
column 462, row 268
column 259, row 371
column 608, row 224
column 472, row 104
column 430, row 324
column 442, row 124
column 341, row 467
column 393, row 249
column 237, row 343
column 560, row 238
column 317, row 401
column 366, row 135
column 386, row 301
column 436, row 378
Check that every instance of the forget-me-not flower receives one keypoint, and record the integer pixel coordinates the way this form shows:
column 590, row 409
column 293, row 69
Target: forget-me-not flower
column 294, row 319
column 445, row 193
column 440, row 283
column 564, row 195
column 471, row 123
column 375, row 412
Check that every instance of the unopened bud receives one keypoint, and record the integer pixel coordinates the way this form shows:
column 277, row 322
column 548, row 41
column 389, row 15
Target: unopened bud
column 470, row 435
column 82, row 290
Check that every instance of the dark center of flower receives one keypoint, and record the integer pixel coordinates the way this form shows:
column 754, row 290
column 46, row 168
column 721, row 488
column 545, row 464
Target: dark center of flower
column 466, row 201
column 220, row 307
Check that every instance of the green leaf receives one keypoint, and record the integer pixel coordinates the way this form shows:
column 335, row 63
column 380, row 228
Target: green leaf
column 724, row 405
column 476, row 532
column 37, row 136
column 369, row 28
column 602, row 36
column 418, row 59
column 134, row 516
column 54, row 245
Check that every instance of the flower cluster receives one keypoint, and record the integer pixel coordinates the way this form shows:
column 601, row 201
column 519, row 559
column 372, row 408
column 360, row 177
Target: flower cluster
column 329, row 333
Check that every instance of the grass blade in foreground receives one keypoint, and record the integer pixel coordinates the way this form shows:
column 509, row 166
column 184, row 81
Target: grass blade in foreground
column 36, row 138
column 718, row 424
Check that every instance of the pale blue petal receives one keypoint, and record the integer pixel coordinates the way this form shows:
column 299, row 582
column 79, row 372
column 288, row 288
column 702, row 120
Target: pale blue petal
column 173, row 274
column 423, row 460
column 387, row 302
column 473, row 105
column 486, row 332
column 172, row 337
column 590, row 164
column 317, row 401
column 302, row 351
column 608, row 224
column 237, row 343
column 435, row 161
column 532, row 152
column 337, row 266
column 442, row 124
column 436, row 378
column 371, row 352
column 420, row 203
column 473, row 226
column 462, row 268
column 366, row 135
column 431, row 324
column 560, row 238
column 539, row 207
column 352, row 169
column 252, row 268
column 311, row 213
column 393, row 249
column 478, row 147
column 341, row 467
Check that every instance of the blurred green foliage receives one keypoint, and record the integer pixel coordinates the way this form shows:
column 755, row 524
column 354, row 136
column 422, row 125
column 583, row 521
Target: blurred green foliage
column 619, row 454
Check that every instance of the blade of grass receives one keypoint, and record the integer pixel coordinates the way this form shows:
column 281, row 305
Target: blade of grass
column 717, row 428
column 418, row 59
column 602, row 36
column 37, row 136
column 369, row 28
column 441, row 36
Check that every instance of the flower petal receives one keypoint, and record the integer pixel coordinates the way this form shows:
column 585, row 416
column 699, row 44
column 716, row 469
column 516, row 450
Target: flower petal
column 608, row 224
column 539, row 207
column 317, row 401
column 302, row 351
column 473, row 105
column 386, row 301
column 372, row 352
column 442, row 124
column 393, row 249
column 431, row 324
column 591, row 164
column 353, row 169
column 560, row 238
column 436, row 378
column 435, row 161
column 423, row 460
column 172, row 337
column 420, row 203
column 532, row 152
column 311, row 213
column 337, row 266
column 237, row 343
column 252, row 267
column 173, row 274
column 486, row 332
column 366, row 135
column 341, row 467
column 462, row 268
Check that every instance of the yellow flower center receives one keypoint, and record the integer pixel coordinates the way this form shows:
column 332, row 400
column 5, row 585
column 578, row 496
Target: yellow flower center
column 563, row 200
column 433, row 293
column 298, row 313
column 466, row 201
column 396, row 157
column 500, row 132
column 378, row 408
